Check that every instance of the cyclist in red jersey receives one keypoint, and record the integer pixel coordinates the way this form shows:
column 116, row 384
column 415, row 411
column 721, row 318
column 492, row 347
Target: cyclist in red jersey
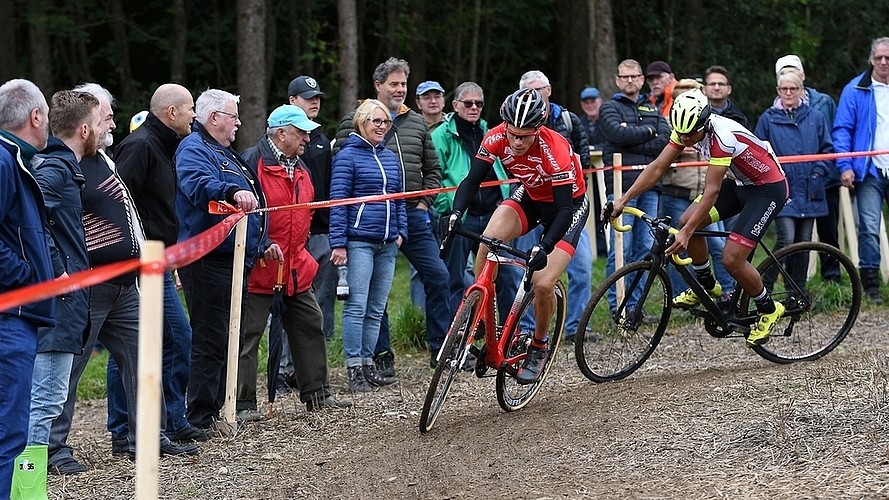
column 757, row 194
column 551, row 193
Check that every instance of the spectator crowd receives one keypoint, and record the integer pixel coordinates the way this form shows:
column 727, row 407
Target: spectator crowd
column 70, row 200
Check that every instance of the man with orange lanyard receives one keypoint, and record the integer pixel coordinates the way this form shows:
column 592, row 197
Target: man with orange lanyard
column 551, row 193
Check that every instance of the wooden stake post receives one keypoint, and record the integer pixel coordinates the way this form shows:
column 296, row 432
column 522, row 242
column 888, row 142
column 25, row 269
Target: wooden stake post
column 234, row 329
column 148, row 397
column 618, row 236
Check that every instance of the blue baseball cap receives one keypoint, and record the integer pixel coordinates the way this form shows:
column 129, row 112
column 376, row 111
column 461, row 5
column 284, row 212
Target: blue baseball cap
column 289, row 114
column 590, row 93
column 429, row 85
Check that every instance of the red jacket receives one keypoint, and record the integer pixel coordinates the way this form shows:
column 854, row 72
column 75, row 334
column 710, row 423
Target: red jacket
column 288, row 228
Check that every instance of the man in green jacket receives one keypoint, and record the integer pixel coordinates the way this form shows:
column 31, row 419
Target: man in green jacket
column 456, row 142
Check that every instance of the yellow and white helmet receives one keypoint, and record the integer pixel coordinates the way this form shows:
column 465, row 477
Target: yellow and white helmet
column 690, row 112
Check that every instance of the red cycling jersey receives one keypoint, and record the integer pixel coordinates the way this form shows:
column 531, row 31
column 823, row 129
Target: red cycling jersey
column 549, row 162
column 728, row 144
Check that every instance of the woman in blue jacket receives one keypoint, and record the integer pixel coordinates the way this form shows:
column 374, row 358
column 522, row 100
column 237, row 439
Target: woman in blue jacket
column 365, row 236
column 794, row 128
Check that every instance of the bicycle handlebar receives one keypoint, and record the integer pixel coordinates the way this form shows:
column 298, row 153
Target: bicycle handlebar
column 492, row 243
column 651, row 222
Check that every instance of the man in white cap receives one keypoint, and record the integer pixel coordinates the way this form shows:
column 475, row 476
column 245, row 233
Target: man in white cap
column 827, row 225
column 430, row 101
column 285, row 180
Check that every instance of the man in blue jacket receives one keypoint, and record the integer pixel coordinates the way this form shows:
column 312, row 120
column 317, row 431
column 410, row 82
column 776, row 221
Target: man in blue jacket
column 210, row 170
column 862, row 124
column 24, row 127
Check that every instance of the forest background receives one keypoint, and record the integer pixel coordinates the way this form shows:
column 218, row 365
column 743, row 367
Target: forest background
column 255, row 47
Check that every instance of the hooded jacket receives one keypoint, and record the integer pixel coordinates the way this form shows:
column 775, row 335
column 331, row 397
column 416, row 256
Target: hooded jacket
column 410, row 140
column 288, row 228
column 23, row 249
column 805, row 133
column 362, row 169
column 61, row 181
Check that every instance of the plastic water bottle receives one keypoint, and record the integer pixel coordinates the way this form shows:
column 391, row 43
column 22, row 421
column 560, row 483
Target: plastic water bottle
column 342, row 286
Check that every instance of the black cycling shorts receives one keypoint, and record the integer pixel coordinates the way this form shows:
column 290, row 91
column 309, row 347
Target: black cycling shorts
column 533, row 214
column 755, row 207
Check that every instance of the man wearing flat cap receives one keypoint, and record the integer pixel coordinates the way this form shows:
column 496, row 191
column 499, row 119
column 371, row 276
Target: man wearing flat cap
column 285, row 180
column 660, row 80
column 305, row 93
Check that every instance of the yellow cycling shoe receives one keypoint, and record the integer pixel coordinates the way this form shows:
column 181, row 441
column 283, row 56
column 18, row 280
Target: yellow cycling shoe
column 760, row 332
column 688, row 298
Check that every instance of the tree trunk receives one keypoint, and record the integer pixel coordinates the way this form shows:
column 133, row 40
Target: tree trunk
column 348, row 39
column 180, row 42
column 122, row 49
column 300, row 17
column 577, row 59
column 473, row 55
column 606, row 49
column 251, row 71
column 9, row 67
column 417, row 57
column 41, row 56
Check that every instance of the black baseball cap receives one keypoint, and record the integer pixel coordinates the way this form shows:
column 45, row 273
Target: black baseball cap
column 305, row 87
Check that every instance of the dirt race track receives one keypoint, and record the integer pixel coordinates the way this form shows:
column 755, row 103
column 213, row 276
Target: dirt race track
column 704, row 418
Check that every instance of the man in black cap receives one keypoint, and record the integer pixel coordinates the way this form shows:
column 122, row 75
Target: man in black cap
column 305, row 93
column 660, row 80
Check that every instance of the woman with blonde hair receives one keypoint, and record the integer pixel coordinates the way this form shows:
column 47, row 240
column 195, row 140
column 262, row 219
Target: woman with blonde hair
column 365, row 236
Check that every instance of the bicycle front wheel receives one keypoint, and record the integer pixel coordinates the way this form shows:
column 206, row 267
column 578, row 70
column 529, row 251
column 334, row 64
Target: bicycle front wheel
column 510, row 394
column 615, row 335
column 821, row 291
column 451, row 356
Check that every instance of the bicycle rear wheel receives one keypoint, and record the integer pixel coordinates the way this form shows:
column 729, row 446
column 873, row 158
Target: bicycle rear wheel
column 821, row 309
column 451, row 356
column 614, row 341
column 510, row 394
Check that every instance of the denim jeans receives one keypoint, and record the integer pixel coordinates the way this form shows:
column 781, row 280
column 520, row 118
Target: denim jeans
column 421, row 250
column 869, row 195
column 117, row 402
column 459, row 251
column 580, row 277
column 18, row 347
column 637, row 241
column 371, row 269
column 176, row 356
column 675, row 207
column 49, row 391
column 114, row 321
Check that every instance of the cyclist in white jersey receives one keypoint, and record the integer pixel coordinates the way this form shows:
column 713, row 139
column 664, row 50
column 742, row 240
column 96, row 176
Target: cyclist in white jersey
column 756, row 195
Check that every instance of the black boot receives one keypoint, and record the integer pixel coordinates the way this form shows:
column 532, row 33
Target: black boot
column 385, row 363
column 870, row 281
column 375, row 379
column 357, row 383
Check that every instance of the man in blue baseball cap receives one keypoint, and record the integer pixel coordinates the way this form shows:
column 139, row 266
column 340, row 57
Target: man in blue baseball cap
column 285, row 180
column 430, row 100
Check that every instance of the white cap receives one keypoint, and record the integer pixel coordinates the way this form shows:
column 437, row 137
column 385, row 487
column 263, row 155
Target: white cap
column 788, row 60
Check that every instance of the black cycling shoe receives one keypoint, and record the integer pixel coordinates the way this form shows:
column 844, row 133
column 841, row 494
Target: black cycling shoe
column 535, row 362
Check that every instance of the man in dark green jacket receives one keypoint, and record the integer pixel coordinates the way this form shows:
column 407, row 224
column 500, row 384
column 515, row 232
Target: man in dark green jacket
column 410, row 140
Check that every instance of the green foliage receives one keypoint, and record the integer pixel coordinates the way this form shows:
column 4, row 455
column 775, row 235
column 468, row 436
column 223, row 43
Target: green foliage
column 92, row 382
column 408, row 328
